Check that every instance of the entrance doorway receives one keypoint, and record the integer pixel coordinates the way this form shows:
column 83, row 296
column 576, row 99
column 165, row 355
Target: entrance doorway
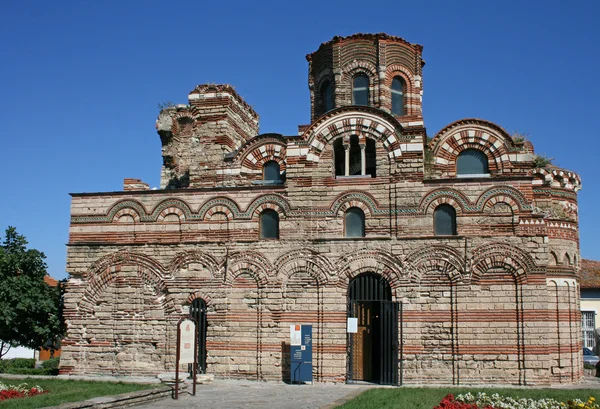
column 198, row 312
column 373, row 349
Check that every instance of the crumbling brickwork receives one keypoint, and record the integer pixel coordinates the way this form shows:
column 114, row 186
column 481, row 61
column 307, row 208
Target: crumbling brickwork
column 496, row 302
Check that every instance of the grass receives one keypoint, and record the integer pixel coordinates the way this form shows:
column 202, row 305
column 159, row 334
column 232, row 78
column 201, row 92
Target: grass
column 427, row 398
column 62, row 390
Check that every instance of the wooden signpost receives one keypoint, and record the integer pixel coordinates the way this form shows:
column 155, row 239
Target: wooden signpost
column 187, row 349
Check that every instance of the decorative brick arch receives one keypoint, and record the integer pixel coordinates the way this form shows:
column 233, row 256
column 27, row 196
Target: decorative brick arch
column 556, row 178
column 439, row 258
column 194, row 256
column 305, row 260
column 503, row 194
column 365, row 121
column 375, row 261
column 172, row 206
column 484, row 136
column 127, row 206
column 269, row 201
column 203, row 295
column 501, row 255
column 395, row 70
column 103, row 272
column 363, row 200
column 453, row 197
column 256, row 158
column 219, row 205
column 250, row 262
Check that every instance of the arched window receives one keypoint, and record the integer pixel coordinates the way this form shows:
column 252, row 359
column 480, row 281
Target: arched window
column 271, row 171
column 360, row 90
column 444, row 220
column 397, row 96
column 354, row 222
column 327, row 96
column 472, row 162
column 269, row 224
column 361, row 158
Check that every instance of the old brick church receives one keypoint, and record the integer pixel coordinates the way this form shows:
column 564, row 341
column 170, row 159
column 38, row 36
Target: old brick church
column 456, row 253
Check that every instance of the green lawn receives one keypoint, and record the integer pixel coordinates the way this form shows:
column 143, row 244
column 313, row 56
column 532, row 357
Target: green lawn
column 427, row 398
column 61, row 391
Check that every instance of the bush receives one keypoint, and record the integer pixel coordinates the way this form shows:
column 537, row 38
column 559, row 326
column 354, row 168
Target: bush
column 16, row 363
column 51, row 363
column 32, row 371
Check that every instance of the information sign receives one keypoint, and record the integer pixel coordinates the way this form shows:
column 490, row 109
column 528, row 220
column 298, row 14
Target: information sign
column 352, row 325
column 186, row 342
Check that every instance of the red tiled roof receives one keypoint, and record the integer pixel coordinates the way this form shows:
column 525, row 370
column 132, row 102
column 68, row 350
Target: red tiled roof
column 589, row 274
column 52, row 282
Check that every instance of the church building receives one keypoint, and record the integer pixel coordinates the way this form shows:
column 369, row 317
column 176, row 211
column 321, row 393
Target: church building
column 456, row 253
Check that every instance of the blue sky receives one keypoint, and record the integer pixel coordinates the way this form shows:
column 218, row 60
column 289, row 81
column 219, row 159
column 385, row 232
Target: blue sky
column 80, row 83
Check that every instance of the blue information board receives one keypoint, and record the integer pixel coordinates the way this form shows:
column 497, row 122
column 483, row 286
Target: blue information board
column 301, row 355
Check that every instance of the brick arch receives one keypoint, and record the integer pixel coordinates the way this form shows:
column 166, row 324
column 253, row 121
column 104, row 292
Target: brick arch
column 207, row 297
column 375, row 261
column 176, row 206
column 501, row 255
column 133, row 208
column 194, row 256
column 254, row 159
column 453, row 197
column 438, row 258
column 478, row 134
column 103, row 272
column 268, row 201
column 396, row 70
column 250, row 262
column 363, row 200
column 220, row 204
column 503, row 194
column 127, row 211
column 310, row 261
column 363, row 121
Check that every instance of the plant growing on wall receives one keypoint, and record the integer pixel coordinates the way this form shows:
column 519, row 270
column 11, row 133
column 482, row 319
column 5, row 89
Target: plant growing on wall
column 29, row 308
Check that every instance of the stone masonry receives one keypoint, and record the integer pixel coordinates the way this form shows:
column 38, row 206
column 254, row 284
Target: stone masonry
column 497, row 302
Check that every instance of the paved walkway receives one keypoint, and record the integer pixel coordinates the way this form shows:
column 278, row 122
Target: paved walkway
column 233, row 394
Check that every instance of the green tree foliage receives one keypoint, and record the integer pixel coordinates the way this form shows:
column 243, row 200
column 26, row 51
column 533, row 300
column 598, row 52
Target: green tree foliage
column 29, row 308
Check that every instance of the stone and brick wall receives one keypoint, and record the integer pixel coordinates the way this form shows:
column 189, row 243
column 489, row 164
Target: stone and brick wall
column 498, row 302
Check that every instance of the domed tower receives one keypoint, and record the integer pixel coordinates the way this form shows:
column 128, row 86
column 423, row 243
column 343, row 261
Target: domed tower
column 377, row 70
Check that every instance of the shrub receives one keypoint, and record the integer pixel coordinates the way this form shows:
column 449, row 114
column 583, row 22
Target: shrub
column 32, row 371
column 7, row 364
column 51, row 363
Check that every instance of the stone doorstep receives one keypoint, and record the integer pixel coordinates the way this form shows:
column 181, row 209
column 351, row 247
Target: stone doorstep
column 118, row 401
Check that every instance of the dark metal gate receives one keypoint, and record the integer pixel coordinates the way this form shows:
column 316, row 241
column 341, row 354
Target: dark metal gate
column 198, row 312
column 373, row 349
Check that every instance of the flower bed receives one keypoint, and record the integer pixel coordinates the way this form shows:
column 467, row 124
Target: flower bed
column 496, row 401
column 18, row 391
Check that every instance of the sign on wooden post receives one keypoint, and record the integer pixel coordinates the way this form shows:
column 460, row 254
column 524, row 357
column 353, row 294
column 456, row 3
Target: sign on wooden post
column 187, row 349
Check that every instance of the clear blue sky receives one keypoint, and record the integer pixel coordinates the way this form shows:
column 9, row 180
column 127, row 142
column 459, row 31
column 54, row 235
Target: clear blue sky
column 80, row 82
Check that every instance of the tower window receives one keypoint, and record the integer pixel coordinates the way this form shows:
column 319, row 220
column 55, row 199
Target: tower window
column 354, row 222
column 397, row 96
column 472, row 162
column 360, row 90
column 444, row 220
column 327, row 96
column 271, row 171
column 269, row 224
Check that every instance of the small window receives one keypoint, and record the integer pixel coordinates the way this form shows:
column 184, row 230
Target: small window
column 354, row 222
column 271, row 171
column 397, row 96
column 327, row 96
column 472, row 162
column 588, row 326
column 360, row 90
column 269, row 224
column 444, row 220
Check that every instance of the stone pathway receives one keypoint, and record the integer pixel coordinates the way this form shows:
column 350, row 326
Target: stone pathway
column 233, row 394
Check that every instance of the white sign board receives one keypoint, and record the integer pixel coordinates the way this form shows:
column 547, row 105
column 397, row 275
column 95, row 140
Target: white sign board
column 295, row 335
column 186, row 341
column 352, row 325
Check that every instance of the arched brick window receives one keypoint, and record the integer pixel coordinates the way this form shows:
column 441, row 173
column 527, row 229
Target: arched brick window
column 271, row 171
column 472, row 162
column 269, row 224
column 398, row 96
column 354, row 222
column 327, row 96
column 360, row 90
column 444, row 220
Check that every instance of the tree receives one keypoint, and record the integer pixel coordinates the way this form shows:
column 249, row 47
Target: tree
column 29, row 308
